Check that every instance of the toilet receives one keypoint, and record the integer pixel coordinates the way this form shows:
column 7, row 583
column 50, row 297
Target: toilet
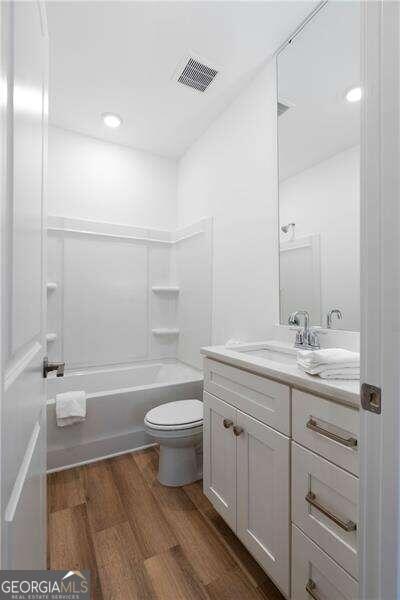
column 178, row 428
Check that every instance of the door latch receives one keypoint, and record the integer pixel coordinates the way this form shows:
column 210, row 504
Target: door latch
column 371, row 398
column 53, row 366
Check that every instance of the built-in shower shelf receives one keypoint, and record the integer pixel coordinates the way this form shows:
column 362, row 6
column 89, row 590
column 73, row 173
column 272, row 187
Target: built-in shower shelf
column 51, row 286
column 165, row 331
column 165, row 289
column 51, row 337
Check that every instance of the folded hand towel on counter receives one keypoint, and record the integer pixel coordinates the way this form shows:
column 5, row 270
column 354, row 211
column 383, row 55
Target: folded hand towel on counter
column 330, row 363
column 315, row 370
column 70, row 408
column 328, row 356
column 348, row 374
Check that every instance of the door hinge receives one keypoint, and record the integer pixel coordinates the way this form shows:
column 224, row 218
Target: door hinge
column 371, row 398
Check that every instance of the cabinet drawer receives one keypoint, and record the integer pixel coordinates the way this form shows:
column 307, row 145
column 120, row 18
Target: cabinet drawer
column 316, row 575
column 328, row 428
column 325, row 506
column 262, row 398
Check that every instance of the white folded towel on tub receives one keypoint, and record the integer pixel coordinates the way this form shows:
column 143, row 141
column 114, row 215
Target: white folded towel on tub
column 70, row 408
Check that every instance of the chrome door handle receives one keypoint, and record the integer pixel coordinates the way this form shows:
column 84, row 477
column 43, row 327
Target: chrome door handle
column 237, row 430
column 310, row 589
column 53, row 366
column 347, row 525
column 227, row 423
column 349, row 442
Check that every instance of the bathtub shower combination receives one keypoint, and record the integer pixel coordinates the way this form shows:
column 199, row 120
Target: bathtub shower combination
column 117, row 402
column 128, row 310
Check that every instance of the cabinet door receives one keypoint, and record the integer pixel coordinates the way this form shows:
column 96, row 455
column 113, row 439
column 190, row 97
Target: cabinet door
column 263, row 517
column 219, row 455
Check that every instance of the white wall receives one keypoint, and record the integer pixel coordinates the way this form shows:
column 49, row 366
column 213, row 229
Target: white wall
column 91, row 179
column 325, row 199
column 230, row 173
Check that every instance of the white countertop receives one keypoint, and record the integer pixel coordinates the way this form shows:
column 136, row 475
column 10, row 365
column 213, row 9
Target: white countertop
column 336, row 389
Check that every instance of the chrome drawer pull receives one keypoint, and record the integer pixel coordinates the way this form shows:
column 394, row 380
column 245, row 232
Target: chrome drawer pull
column 227, row 423
column 347, row 525
column 350, row 442
column 310, row 589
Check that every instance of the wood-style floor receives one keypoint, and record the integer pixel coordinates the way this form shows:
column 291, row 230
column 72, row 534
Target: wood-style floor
column 143, row 541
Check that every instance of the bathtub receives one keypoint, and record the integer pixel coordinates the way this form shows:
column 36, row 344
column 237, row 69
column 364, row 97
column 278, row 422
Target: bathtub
column 117, row 401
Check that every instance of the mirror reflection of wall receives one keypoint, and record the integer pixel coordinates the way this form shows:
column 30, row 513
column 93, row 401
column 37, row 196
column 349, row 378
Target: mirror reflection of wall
column 319, row 167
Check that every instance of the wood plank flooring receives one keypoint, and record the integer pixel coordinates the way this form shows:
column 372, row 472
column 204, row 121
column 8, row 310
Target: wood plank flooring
column 144, row 541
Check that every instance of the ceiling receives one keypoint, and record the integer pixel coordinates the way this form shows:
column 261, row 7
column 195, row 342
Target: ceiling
column 121, row 57
column 314, row 73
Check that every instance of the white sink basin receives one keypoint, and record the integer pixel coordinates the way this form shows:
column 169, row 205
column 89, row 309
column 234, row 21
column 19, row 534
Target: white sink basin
column 279, row 357
column 272, row 351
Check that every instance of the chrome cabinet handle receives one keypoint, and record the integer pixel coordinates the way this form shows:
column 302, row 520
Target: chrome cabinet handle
column 227, row 423
column 310, row 589
column 349, row 442
column 347, row 525
column 237, row 430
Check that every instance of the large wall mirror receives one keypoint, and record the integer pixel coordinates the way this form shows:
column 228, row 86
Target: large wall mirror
column 319, row 98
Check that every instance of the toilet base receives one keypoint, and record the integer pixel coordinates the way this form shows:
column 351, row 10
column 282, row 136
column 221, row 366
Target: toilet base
column 179, row 466
column 181, row 454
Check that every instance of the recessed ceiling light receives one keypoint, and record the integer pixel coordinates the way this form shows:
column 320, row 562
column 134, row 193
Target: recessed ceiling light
column 354, row 94
column 111, row 120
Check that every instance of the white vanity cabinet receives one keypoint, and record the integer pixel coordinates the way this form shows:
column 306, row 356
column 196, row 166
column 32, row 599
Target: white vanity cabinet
column 247, row 462
column 281, row 466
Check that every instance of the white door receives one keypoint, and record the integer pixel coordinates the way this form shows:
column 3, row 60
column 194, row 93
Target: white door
column 219, row 457
column 24, row 56
column 263, row 496
column 380, row 308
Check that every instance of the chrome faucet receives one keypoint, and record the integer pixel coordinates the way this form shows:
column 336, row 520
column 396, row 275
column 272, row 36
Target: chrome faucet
column 306, row 336
column 329, row 317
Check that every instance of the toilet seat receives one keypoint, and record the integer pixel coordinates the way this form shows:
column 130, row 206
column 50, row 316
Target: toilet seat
column 182, row 414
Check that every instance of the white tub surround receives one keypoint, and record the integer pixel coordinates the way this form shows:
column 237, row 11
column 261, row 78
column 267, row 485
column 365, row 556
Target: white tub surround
column 281, row 464
column 117, row 402
column 120, row 294
column 284, row 368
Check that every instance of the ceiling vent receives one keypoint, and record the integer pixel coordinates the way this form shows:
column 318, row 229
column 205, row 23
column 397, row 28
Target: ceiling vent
column 196, row 75
column 282, row 108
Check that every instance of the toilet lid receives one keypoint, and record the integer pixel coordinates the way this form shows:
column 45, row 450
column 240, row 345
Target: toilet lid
column 183, row 413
